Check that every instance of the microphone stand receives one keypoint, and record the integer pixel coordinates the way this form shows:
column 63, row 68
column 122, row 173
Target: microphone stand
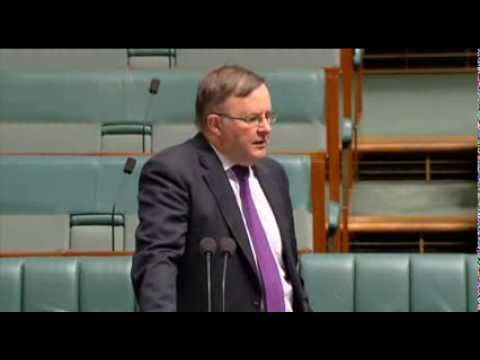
column 127, row 169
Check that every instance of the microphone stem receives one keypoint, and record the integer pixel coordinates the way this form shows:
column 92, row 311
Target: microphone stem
column 143, row 138
column 209, row 282
column 224, row 277
column 113, row 227
column 145, row 119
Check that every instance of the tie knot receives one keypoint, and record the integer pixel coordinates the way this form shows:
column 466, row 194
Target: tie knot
column 241, row 172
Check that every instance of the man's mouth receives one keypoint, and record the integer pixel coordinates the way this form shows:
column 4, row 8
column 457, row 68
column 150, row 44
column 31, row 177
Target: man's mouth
column 260, row 142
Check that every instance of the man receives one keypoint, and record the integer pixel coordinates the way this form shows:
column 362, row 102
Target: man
column 219, row 184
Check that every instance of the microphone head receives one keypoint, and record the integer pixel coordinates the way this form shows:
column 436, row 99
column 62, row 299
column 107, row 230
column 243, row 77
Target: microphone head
column 208, row 245
column 228, row 246
column 129, row 165
column 154, row 85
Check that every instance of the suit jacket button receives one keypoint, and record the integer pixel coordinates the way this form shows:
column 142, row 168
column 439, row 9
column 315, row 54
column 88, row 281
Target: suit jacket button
column 256, row 303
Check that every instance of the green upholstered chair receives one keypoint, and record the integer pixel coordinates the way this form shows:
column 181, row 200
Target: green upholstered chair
column 391, row 282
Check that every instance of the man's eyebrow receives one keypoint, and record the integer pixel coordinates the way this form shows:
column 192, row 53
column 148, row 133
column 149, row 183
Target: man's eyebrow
column 260, row 113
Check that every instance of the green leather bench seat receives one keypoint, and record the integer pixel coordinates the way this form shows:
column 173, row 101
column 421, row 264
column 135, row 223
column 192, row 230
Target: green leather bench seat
column 299, row 172
column 58, row 110
column 62, row 96
column 69, row 110
column 298, row 168
column 299, row 99
column 65, row 202
column 57, row 284
column 66, row 184
column 297, row 96
column 391, row 282
column 62, row 202
column 334, row 282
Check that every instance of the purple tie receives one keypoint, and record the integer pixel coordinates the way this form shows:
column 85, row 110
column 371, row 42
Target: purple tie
column 266, row 262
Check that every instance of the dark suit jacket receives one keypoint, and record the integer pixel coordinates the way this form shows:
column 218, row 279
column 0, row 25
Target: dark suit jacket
column 184, row 196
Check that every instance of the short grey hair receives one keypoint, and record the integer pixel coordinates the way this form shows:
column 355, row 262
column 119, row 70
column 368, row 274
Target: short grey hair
column 219, row 85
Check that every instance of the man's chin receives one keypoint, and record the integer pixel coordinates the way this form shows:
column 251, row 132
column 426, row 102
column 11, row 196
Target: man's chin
column 252, row 157
column 260, row 152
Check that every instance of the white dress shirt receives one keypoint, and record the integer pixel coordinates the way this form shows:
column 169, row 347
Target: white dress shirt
column 267, row 219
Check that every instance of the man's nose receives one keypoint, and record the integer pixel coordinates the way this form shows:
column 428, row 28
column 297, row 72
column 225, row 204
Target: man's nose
column 265, row 127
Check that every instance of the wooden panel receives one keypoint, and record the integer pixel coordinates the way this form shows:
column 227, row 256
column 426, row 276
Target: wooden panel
column 378, row 224
column 419, row 71
column 377, row 144
column 333, row 132
column 420, row 60
column 346, row 60
column 333, row 138
column 318, row 202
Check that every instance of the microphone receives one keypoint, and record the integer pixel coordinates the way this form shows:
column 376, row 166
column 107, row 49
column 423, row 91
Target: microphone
column 153, row 90
column 227, row 249
column 127, row 169
column 208, row 246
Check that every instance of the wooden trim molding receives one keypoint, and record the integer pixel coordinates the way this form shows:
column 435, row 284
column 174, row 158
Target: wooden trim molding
column 318, row 180
column 333, row 138
column 406, row 144
column 413, row 71
column 405, row 224
column 346, row 62
column 333, row 131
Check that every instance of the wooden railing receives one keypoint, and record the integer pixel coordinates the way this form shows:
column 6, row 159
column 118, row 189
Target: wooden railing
column 420, row 61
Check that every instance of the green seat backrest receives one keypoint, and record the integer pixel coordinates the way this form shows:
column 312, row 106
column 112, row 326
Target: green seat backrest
column 391, row 282
column 58, row 184
column 173, row 105
column 298, row 169
column 66, row 184
column 121, row 96
column 334, row 282
column 115, row 186
column 60, row 284
column 102, row 96
column 298, row 96
column 86, row 187
column 439, row 283
column 329, row 281
column 473, row 283
column 70, row 97
column 62, row 96
column 47, row 184
column 42, row 198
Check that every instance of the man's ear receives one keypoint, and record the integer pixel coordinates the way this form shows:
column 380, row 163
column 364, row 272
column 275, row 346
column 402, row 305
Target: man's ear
column 214, row 124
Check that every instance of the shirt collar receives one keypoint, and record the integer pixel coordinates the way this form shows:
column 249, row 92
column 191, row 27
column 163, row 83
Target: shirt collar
column 226, row 162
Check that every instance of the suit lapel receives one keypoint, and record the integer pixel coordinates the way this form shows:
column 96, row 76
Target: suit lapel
column 274, row 197
column 218, row 183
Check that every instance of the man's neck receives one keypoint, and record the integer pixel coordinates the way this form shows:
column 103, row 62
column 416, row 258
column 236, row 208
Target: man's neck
column 226, row 162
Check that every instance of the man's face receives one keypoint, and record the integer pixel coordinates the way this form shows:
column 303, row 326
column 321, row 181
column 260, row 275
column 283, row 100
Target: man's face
column 242, row 142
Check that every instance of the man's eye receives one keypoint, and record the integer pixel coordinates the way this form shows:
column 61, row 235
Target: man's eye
column 252, row 119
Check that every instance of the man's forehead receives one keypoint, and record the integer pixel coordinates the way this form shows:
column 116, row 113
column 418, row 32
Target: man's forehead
column 260, row 93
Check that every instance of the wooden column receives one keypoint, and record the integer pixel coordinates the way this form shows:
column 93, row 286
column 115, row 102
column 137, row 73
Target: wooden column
column 318, row 166
column 346, row 61
column 333, row 137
